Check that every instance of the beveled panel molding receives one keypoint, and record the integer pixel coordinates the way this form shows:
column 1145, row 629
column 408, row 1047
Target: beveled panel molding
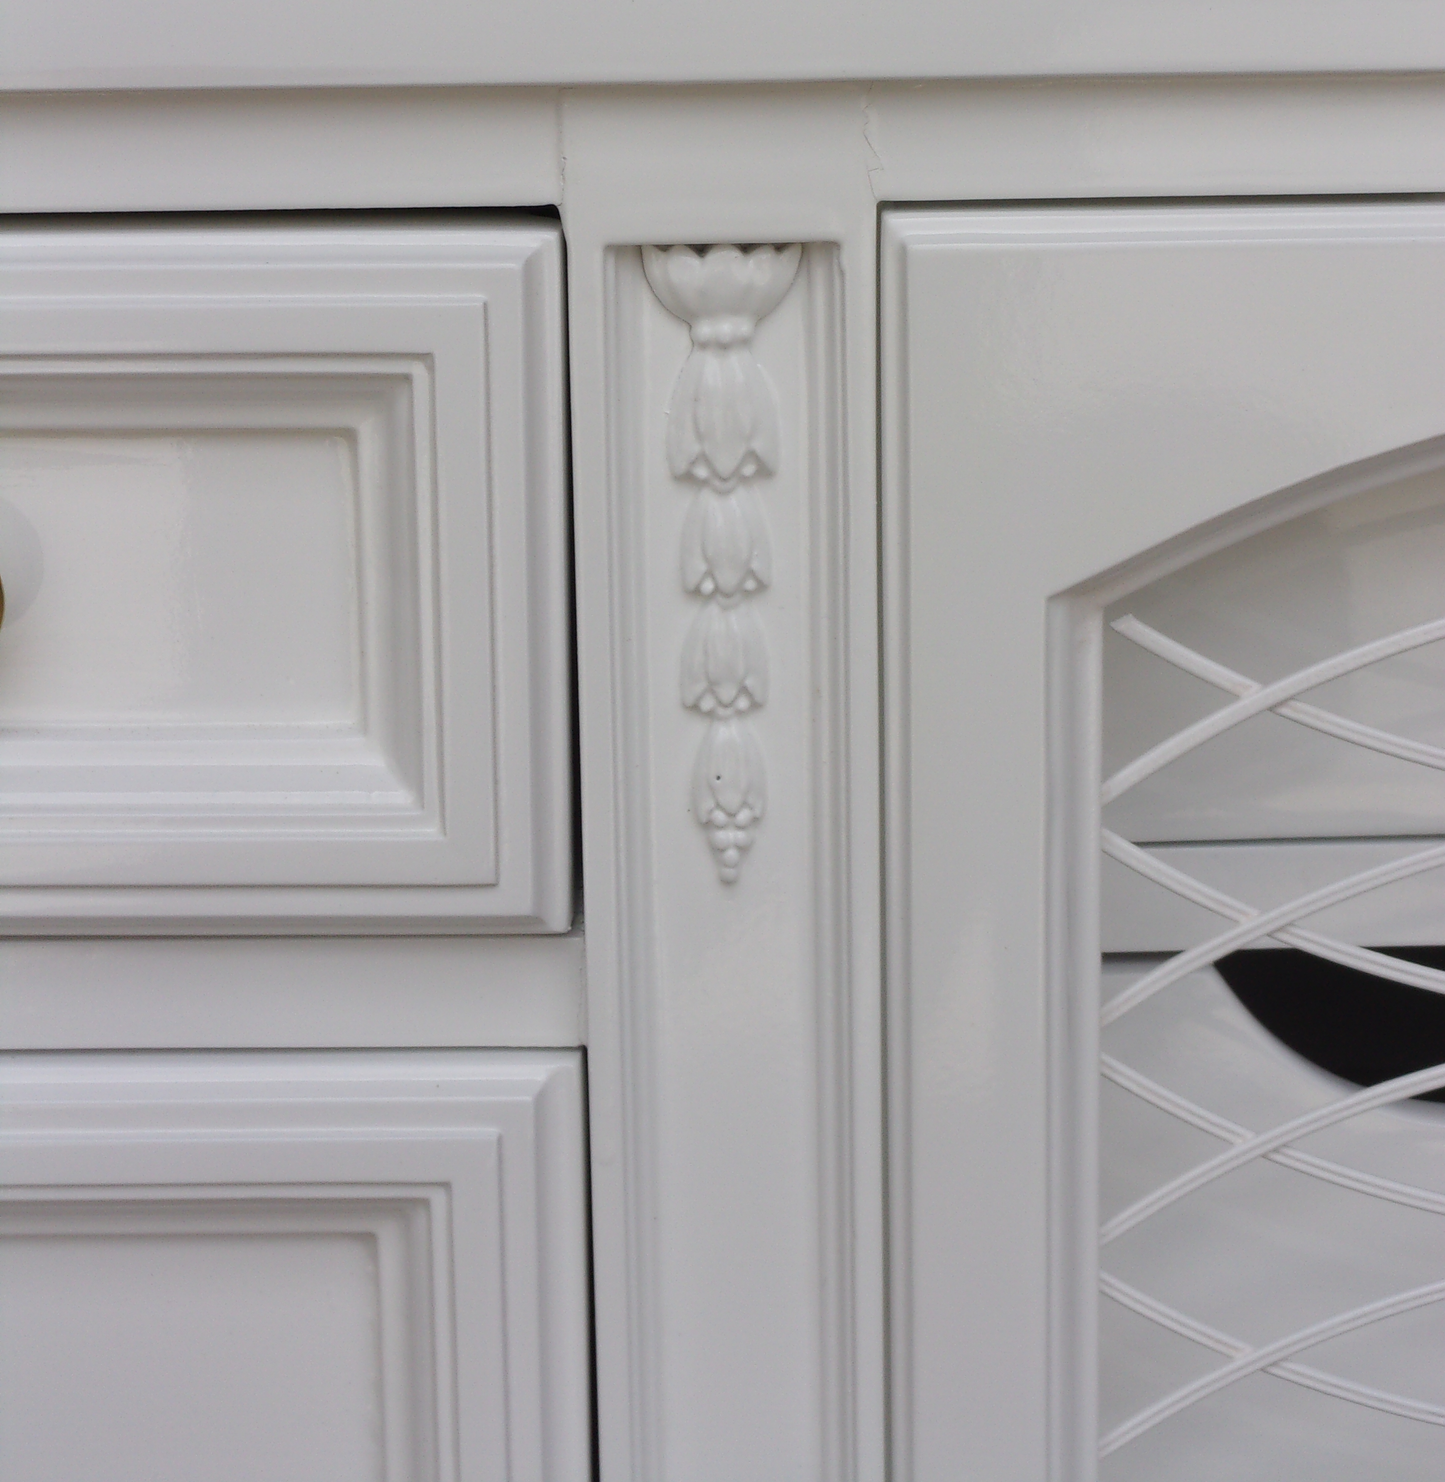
column 283, row 525
column 370, row 1265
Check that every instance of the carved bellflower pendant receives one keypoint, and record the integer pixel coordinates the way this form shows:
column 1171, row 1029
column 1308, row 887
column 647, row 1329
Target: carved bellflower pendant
column 722, row 430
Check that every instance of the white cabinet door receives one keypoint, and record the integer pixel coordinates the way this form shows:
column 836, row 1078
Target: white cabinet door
column 283, row 541
column 360, row 1266
column 1135, row 1237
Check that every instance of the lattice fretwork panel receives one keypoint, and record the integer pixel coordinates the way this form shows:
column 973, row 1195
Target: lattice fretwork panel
column 1272, row 1242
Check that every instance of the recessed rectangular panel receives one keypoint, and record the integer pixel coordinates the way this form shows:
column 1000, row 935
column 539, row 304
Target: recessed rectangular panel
column 282, row 538
column 204, row 576
column 164, row 1357
column 215, row 610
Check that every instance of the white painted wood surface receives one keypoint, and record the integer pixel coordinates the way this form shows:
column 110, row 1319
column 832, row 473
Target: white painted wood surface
column 1312, row 1233
column 1077, row 401
column 1074, row 138
column 734, row 1042
column 364, row 1265
column 285, row 638
column 733, row 1030
column 1353, row 573
column 1343, row 778
column 165, row 43
column 293, row 992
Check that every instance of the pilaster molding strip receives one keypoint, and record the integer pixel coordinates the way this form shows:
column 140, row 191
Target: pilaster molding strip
column 722, row 433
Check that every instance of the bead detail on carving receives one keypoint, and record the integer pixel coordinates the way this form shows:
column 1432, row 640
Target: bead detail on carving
column 722, row 431
column 729, row 792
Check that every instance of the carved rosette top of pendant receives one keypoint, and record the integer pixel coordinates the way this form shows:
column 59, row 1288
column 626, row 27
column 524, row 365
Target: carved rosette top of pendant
column 722, row 433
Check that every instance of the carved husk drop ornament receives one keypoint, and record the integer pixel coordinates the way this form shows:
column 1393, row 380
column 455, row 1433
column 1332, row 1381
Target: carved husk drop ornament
column 722, row 432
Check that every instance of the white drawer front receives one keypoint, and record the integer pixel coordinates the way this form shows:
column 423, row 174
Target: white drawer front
column 294, row 1267
column 282, row 533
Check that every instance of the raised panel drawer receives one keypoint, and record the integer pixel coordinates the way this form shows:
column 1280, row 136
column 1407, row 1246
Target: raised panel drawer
column 283, row 541
column 362, row 1266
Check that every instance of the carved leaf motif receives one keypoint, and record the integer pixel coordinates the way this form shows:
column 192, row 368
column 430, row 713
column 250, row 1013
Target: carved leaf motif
column 725, row 546
column 723, row 280
column 723, row 429
column 724, row 661
column 730, row 776
column 723, row 419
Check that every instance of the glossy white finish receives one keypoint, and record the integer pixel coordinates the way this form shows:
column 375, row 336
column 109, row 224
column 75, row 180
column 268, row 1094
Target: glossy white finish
column 1351, row 1218
column 281, row 618
column 165, row 43
column 295, row 149
column 288, row 992
column 1356, row 759
column 1065, row 391
column 1138, row 916
column 733, row 1029
column 733, row 1289
column 294, row 1266
column 723, row 436
column 199, row 578
column 1352, row 573
column 770, row 1122
column 259, row 1344
column 1219, row 1273
column 1076, row 137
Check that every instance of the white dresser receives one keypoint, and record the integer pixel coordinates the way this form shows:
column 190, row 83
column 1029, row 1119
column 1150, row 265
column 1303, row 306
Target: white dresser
column 606, row 610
